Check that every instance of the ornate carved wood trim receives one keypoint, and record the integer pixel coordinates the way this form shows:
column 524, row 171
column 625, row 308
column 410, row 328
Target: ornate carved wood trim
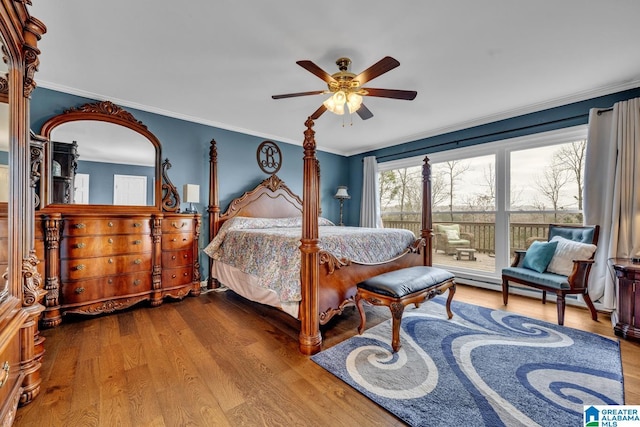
column 170, row 195
column 107, row 108
column 32, row 287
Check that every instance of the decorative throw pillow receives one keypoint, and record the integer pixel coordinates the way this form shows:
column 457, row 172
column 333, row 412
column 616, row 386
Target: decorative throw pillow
column 452, row 234
column 539, row 255
column 567, row 251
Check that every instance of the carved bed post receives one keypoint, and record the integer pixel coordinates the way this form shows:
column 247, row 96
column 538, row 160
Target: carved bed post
column 427, row 220
column 214, row 204
column 310, row 339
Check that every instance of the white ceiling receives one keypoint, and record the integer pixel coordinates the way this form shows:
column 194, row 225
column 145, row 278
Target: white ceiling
column 219, row 62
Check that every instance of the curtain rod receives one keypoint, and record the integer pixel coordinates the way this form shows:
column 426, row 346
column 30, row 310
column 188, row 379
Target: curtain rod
column 502, row 132
column 604, row 110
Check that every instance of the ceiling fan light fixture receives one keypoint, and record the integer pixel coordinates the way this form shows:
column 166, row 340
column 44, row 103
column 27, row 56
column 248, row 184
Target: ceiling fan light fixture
column 354, row 101
column 336, row 102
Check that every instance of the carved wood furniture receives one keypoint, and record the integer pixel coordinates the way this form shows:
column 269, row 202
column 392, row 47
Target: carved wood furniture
column 399, row 288
column 628, row 274
column 21, row 347
column 99, row 258
column 328, row 284
column 576, row 282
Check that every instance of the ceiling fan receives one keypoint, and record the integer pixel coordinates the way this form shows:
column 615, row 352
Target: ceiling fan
column 347, row 88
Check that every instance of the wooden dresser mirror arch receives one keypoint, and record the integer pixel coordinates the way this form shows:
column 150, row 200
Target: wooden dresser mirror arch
column 21, row 292
column 99, row 258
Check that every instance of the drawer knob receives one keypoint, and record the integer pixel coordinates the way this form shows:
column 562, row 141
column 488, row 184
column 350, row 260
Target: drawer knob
column 137, row 242
column 185, row 274
column 137, row 261
column 174, row 240
column 175, row 224
column 173, row 257
column 110, row 224
column 110, row 240
column 110, row 281
column 80, row 245
column 5, row 373
column 137, row 224
column 110, row 260
column 80, row 225
column 136, row 282
column 185, row 256
column 79, row 290
column 80, row 267
column 173, row 276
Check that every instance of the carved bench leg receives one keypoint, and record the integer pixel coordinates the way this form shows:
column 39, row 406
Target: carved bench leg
column 397, row 308
column 452, row 290
column 363, row 316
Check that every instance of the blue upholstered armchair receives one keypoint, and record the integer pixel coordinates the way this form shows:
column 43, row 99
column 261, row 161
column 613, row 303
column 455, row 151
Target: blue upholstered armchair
column 560, row 265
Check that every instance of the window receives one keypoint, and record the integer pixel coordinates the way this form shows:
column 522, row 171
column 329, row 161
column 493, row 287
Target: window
column 491, row 199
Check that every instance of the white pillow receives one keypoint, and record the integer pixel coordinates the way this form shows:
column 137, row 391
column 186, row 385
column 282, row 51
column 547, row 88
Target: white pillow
column 567, row 251
column 452, row 234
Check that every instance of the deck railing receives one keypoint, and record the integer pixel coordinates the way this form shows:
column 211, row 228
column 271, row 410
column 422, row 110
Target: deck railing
column 520, row 234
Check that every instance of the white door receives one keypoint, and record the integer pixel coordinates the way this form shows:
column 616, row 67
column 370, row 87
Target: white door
column 4, row 183
column 129, row 190
column 81, row 193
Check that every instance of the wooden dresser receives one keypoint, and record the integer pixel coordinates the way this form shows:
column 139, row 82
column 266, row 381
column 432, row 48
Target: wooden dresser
column 100, row 263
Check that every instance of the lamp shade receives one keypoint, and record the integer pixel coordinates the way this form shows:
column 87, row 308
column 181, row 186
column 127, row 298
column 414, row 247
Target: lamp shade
column 191, row 193
column 342, row 193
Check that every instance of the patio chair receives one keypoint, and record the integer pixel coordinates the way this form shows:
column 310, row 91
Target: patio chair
column 560, row 265
column 448, row 238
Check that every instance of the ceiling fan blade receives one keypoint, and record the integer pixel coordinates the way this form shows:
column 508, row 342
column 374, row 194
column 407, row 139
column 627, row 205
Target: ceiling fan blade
column 364, row 112
column 408, row 95
column 318, row 112
column 291, row 95
column 385, row 64
column 314, row 69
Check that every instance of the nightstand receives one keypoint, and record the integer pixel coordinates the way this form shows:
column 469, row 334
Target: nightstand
column 628, row 275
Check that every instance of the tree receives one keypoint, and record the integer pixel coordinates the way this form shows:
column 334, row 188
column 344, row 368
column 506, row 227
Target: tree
column 452, row 170
column 389, row 187
column 401, row 189
column 554, row 178
column 570, row 157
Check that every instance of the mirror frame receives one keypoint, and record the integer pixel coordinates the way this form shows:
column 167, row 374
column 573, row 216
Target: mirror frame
column 103, row 111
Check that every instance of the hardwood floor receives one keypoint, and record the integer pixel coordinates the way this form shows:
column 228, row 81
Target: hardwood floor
column 217, row 360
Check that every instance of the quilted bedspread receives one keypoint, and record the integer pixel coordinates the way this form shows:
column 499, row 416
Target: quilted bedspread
column 269, row 249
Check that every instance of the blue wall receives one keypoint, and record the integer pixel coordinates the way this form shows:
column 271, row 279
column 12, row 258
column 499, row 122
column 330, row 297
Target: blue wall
column 186, row 145
column 546, row 120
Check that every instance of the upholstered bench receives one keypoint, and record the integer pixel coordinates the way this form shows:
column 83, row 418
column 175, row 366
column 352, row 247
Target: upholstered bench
column 399, row 288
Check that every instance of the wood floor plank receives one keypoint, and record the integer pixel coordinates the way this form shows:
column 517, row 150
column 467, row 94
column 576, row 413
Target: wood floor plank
column 220, row 360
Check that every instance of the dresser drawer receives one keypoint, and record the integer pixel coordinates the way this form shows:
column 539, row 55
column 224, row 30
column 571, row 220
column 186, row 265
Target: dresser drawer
column 177, row 241
column 10, row 364
column 177, row 258
column 89, row 226
column 177, row 276
column 83, row 291
column 88, row 246
column 83, row 268
column 177, row 225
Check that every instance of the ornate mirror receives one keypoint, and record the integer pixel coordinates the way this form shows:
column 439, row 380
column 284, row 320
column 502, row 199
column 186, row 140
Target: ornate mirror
column 99, row 154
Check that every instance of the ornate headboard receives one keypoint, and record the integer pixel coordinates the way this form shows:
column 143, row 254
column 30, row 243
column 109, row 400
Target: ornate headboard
column 270, row 199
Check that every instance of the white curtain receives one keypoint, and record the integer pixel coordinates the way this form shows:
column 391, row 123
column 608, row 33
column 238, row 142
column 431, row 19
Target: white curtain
column 611, row 192
column 370, row 205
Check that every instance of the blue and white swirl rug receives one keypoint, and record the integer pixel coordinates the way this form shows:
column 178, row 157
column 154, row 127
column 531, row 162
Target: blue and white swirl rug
column 483, row 367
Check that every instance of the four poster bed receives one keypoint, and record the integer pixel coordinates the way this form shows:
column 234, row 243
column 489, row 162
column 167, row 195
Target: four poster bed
column 322, row 262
